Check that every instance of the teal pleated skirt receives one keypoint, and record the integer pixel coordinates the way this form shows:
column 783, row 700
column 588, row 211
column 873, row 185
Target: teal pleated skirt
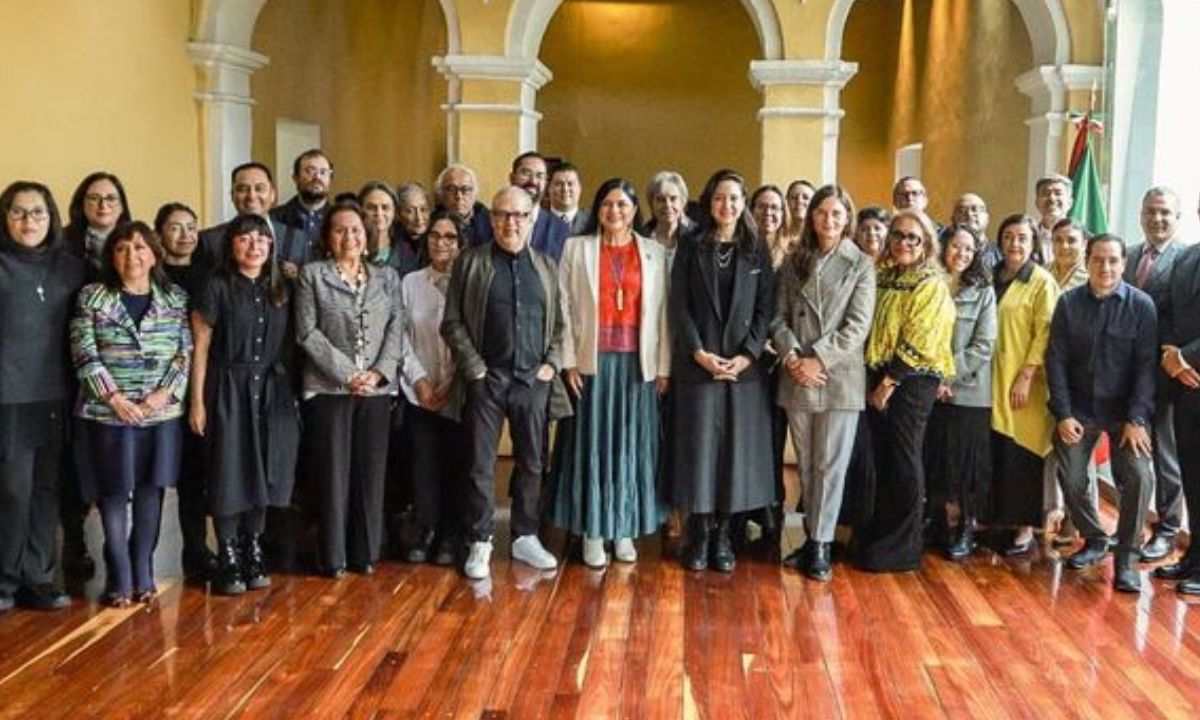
column 604, row 479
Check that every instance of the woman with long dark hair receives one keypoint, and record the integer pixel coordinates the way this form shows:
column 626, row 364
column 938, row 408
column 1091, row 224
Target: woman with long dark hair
column 38, row 282
column 720, row 312
column 98, row 206
column 242, row 401
column 131, row 349
column 823, row 308
column 617, row 359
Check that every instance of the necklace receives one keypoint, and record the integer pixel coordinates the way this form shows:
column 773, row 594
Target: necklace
column 725, row 255
column 616, row 270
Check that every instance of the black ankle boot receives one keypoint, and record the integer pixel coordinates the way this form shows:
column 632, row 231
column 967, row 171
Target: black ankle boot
column 721, row 556
column 228, row 580
column 962, row 541
column 254, row 570
column 820, row 562
column 695, row 552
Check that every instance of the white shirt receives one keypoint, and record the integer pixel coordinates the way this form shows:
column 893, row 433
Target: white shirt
column 423, row 353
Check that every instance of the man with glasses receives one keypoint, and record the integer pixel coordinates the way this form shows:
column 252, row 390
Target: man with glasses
column 301, row 217
column 909, row 194
column 971, row 211
column 252, row 191
column 457, row 187
column 504, row 325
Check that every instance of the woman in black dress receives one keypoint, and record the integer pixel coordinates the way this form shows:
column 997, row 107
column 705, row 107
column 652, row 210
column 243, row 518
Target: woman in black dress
column 241, row 400
column 720, row 309
column 38, row 281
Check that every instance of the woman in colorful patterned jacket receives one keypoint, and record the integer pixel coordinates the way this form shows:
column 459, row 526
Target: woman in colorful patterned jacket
column 131, row 349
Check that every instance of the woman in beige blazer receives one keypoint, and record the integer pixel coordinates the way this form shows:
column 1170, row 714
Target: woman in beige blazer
column 616, row 356
column 823, row 308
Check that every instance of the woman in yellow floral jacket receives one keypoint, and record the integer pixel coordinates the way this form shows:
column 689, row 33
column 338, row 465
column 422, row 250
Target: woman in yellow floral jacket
column 1021, row 422
column 908, row 355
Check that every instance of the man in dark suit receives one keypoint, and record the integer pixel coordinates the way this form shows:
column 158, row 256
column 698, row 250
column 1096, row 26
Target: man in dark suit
column 253, row 193
column 301, row 217
column 1181, row 363
column 1149, row 269
column 549, row 232
column 565, row 189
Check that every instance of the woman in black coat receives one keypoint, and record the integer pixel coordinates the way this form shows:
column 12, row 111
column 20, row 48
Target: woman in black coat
column 38, row 282
column 720, row 309
column 241, row 399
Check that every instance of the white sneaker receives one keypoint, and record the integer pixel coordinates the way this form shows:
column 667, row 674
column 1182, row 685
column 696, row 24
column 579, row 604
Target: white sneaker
column 476, row 567
column 624, row 551
column 528, row 549
column 593, row 552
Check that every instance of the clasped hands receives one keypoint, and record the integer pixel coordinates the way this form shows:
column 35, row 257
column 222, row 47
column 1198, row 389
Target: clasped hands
column 133, row 413
column 1177, row 368
column 805, row 371
column 721, row 368
column 364, row 382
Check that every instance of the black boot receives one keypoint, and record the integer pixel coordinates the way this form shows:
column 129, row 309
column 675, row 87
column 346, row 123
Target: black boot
column 820, row 563
column 228, row 580
column 721, row 556
column 254, row 570
column 962, row 542
column 695, row 551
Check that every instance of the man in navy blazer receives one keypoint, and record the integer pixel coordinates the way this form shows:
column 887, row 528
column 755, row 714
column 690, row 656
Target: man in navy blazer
column 549, row 232
column 252, row 190
column 565, row 188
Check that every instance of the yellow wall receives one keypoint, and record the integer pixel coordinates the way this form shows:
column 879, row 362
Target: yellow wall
column 100, row 85
column 919, row 81
column 361, row 70
column 639, row 87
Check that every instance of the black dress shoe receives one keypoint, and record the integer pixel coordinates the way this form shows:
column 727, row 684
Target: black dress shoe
column 721, row 556
column 820, row 567
column 1016, row 549
column 43, row 597
column 797, row 559
column 333, row 573
column 445, row 552
column 962, row 543
column 1160, row 545
column 1189, row 585
column 1181, row 570
column 419, row 550
column 6, row 602
column 1126, row 577
column 363, row 568
column 1093, row 551
column 695, row 551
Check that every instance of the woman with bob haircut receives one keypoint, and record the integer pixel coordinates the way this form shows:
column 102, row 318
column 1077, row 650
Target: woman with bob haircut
column 667, row 196
column 720, row 312
column 617, row 357
column 131, row 348
column 908, row 356
column 350, row 325
column 38, row 282
column 242, row 401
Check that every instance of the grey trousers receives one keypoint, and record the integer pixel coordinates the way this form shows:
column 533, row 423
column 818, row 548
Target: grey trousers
column 1133, row 477
column 824, row 442
column 1168, row 479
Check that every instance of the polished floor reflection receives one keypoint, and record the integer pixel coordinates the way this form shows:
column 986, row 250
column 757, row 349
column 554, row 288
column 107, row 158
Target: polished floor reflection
column 989, row 638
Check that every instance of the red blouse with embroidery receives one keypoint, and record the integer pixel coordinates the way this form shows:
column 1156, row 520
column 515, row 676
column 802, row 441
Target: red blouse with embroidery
column 620, row 297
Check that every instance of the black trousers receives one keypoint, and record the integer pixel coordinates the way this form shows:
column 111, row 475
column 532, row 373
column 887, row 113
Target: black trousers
column 489, row 401
column 29, row 487
column 192, row 497
column 434, row 464
column 891, row 540
column 348, row 471
column 1187, row 432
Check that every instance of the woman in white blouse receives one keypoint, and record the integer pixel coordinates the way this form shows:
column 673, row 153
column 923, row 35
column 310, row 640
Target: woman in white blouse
column 430, row 446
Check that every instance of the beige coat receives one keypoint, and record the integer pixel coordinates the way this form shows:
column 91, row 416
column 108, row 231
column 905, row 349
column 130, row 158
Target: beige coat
column 579, row 277
column 828, row 317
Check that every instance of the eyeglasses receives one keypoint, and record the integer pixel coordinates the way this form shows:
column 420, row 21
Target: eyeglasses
column 458, row 189
column 311, row 171
column 97, row 199
column 905, row 238
column 528, row 174
column 503, row 216
column 36, row 214
column 251, row 239
column 447, row 239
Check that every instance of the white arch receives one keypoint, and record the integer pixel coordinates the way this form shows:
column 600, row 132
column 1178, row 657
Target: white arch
column 529, row 18
column 1045, row 21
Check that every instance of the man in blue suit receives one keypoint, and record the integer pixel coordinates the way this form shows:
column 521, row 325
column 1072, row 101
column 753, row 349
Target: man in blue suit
column 549, row 232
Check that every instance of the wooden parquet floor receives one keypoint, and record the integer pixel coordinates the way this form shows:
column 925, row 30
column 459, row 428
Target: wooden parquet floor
column 989, row 638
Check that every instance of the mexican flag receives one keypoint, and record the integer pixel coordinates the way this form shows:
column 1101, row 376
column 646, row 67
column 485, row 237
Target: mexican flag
column 1088, row 208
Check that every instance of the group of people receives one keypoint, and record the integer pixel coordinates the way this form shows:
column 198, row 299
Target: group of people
column 358, row 355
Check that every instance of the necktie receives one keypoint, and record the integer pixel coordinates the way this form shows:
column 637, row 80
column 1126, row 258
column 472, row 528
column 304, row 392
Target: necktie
column 1145, row 265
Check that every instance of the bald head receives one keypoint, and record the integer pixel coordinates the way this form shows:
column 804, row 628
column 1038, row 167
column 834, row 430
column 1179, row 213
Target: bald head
column 970, row 210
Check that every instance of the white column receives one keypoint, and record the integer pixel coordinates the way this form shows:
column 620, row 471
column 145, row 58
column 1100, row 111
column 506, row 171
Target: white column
column 226, row 124
column 465, row 73
column 777, row 81
column 1048, row 88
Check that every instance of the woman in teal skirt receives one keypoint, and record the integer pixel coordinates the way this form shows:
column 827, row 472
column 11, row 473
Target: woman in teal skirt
column 616, row 357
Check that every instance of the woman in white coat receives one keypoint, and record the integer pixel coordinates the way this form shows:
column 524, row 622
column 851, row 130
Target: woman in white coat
column 616, row 356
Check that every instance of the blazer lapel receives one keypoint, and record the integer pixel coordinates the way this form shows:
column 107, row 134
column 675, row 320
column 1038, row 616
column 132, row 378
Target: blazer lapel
column 1163, row 264
column 115, row 311
column 741, row 286
column 591, row 261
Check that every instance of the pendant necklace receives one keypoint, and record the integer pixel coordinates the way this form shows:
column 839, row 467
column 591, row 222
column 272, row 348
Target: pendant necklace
column 616, row 269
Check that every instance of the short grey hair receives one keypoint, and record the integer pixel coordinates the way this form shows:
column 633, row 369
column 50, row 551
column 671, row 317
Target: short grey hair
column 412, row 187
column 1163, row 191
column 1054, row 179
column 666, row 177
column 456, row 167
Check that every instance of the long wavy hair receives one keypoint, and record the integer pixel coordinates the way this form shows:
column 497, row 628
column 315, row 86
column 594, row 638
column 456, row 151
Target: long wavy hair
column 77, row 221
column 804, row 257
column 975, row 274
column 745, row 234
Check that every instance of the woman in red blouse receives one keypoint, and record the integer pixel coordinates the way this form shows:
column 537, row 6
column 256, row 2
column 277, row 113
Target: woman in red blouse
column 617, row 358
